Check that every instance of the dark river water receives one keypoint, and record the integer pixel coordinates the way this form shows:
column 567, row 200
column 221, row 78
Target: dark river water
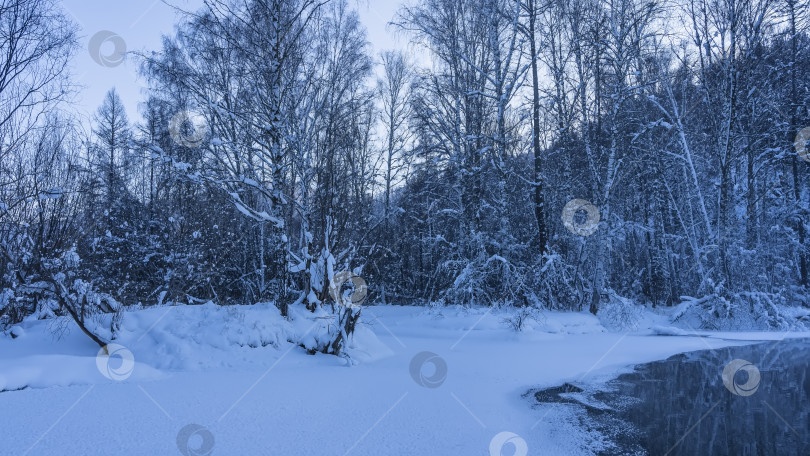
column 747, row 400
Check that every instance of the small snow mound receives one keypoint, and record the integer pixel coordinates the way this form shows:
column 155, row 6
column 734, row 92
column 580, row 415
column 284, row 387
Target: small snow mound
column 668, row 331
column 364, row 346
column 193, row 337
column 314, row 330
column 16, row 331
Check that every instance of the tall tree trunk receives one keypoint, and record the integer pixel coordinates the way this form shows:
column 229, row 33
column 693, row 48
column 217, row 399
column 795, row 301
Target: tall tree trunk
column 794, row 106
column 539, row 202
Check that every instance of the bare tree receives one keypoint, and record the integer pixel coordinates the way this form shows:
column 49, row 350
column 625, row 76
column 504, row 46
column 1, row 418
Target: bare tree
column 395, row 92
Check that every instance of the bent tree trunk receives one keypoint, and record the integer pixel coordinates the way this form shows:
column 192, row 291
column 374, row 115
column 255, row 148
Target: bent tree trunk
column 77, row 317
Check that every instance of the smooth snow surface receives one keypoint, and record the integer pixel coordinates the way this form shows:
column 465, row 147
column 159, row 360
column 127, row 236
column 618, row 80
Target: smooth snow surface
column 233, row 371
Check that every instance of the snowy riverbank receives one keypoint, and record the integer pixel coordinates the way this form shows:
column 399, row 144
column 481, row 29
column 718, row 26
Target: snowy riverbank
column 233, row 372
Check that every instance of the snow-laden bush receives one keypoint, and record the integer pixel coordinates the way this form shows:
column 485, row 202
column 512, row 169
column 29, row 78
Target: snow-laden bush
column 435, row 308
column 517, row 318
column 558, row 284
column 740, row 311
column 6, row 307
column 52, row 288
column 486, row 272
column 619, row 313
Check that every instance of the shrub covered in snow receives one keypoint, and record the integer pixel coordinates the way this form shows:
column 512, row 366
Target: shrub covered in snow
column 52, row 288
column 739, row 311
column 517, row 318
column 620, row 314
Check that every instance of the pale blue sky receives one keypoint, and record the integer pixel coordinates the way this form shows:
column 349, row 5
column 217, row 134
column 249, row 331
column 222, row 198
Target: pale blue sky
column 142, row 22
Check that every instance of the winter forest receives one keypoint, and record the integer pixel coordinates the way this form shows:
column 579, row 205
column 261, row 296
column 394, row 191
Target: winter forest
column 526, row 157
column 269, row 158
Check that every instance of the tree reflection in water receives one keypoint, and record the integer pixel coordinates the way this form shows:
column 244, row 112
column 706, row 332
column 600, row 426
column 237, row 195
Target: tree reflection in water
column 680, row 406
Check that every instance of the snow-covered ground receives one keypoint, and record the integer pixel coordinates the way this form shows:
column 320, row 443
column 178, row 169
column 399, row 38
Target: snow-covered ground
column 418, row 382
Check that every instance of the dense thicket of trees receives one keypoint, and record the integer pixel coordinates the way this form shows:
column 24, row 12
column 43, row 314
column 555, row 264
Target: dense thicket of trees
column 559, row 154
